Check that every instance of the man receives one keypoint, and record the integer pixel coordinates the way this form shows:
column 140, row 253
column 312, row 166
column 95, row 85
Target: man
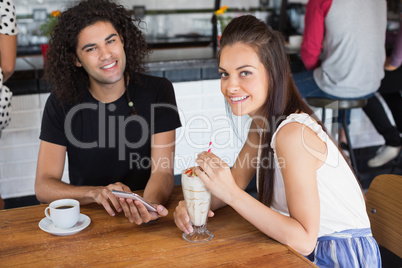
column 116, row 125
column 390, row 91
column 343, row 48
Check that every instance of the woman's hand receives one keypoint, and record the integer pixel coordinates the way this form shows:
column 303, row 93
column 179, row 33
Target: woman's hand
column 389, row 67
column 182, row 219
column 216, row 176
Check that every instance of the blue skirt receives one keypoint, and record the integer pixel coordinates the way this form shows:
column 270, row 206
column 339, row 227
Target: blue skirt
column 348, row 248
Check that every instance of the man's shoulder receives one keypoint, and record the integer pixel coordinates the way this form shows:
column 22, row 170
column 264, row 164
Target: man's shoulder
column 53, row 100
column 150, row 79
column 55, row 103
column 149, row 82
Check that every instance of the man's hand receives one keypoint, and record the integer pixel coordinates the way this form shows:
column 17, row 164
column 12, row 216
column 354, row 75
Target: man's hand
column 134, row 211
column 104, row 196
column 137, row 213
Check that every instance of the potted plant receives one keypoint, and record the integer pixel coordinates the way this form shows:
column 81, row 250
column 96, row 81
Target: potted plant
column 222, row 21
column 47, row 29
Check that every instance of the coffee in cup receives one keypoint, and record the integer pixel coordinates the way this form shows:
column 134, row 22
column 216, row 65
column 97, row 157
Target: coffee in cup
column 64, row 213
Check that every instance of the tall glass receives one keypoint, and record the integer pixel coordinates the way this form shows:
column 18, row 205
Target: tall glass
column 198, row 202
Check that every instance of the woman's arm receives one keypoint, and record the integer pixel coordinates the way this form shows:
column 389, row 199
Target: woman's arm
column 241, row 174
column 245, row 166
column 8, row 54
column 294, row 147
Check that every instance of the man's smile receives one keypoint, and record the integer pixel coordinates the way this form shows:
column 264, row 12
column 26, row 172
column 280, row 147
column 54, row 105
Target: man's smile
column 110, row 65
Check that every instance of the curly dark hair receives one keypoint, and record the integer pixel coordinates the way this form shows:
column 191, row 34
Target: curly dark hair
column 70, row 82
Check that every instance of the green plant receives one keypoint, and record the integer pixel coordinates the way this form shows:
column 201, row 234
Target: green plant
column 51, row 21
column 222, row 19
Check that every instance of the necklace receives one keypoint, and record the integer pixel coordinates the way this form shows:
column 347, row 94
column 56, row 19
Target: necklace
column 130, row 103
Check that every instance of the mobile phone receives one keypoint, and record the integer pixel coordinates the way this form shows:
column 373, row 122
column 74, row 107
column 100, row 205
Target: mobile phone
column 134, row 196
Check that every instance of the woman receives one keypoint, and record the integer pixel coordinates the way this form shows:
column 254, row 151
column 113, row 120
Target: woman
column 308, row 196
column 8, row 53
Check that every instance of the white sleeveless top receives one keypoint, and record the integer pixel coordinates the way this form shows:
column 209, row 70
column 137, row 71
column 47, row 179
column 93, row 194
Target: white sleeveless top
column 342, row 204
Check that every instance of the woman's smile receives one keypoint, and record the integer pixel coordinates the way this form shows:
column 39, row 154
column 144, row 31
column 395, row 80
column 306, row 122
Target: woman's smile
column 236, row 100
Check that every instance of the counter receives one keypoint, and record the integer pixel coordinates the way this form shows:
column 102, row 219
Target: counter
column 178, row 41
column 176, row 64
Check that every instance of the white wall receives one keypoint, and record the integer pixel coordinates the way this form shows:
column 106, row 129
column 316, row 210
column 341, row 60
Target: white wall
column 203, row 116
column 19, row 145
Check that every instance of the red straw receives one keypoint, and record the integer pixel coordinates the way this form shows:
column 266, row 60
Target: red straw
column 210, row 146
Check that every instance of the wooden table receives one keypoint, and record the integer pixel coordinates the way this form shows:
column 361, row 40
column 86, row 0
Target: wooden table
column 115, row 242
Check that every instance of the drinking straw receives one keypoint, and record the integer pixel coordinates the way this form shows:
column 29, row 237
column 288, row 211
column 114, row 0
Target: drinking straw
column 210, row 147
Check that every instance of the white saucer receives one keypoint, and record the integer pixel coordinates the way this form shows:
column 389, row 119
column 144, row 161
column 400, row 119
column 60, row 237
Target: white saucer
column 47, row 225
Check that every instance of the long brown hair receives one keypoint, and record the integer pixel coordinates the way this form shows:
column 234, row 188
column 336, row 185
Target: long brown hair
column 283, row 97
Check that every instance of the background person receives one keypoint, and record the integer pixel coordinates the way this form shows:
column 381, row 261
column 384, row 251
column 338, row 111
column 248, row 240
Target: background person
column 342, row 50
column 102, row 114
column 349, row 36
column 8, row 53
column 8, row 39
column 308, row 196
column 390, row 90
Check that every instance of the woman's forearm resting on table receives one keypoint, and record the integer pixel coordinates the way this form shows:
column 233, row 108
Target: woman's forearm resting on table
column 284, row 229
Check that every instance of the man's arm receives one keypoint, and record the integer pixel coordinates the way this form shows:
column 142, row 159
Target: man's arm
column 314, row 29
column 160, row 184
column 49, row 187
column 396, row 57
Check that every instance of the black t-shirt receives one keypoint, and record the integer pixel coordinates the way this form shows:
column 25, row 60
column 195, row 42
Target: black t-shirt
column 105, row 142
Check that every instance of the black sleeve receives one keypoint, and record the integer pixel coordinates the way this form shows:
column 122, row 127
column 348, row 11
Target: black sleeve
column 52, row 129
column 164, row 109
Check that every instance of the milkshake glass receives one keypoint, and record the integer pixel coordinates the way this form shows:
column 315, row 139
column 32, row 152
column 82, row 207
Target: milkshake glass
column 198, row 202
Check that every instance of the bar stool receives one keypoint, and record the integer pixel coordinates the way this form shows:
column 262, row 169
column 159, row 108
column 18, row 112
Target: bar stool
column 396, row 162
column 340, row 104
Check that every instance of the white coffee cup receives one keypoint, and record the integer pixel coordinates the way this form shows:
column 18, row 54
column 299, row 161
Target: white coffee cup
column 295, row 40
column 64, row 213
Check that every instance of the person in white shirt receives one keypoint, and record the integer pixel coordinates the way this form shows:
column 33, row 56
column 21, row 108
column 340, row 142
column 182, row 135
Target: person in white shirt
column 308, row 196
